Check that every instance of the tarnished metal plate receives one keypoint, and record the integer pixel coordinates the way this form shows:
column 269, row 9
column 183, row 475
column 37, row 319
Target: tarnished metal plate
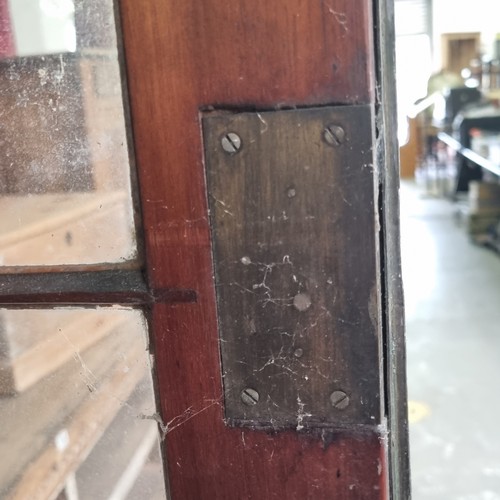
column 294, row 230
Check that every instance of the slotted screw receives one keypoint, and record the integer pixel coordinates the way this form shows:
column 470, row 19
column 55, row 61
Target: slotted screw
column 231, row 143
column 339, row 400
column 249, row 396
column 334, row 135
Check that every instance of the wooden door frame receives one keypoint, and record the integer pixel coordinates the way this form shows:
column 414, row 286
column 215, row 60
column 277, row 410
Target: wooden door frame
column 395, row 349
column 176, row 230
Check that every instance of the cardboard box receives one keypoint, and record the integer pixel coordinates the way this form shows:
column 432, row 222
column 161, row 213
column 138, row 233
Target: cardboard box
column 484, row 198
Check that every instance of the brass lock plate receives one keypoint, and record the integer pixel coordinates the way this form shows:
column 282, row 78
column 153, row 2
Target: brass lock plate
column 294, row 232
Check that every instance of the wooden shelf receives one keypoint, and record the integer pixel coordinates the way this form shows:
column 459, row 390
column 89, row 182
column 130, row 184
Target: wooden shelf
column 36, row 343
column 69, row 228
column 48, row 431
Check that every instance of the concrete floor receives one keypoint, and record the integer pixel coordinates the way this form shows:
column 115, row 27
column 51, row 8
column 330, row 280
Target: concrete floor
column 452, row 292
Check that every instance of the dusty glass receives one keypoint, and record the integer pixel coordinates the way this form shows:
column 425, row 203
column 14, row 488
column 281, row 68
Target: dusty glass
column 77, row 406
column 65, row 190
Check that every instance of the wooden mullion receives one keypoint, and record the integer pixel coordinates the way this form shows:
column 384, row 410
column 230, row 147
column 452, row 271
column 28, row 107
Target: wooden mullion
column 85, row 289
column 393, row 301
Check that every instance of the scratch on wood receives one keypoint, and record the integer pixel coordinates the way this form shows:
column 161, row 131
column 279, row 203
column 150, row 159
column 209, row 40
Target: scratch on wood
column 340, row 17
column 259, row 116
column 224, row 206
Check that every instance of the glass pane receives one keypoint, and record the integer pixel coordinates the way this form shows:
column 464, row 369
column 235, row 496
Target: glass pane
column 77, row 409
column 64, row 168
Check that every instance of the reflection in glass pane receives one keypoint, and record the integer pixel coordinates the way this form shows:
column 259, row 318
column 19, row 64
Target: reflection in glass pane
column 64, row 171
column 77, row 408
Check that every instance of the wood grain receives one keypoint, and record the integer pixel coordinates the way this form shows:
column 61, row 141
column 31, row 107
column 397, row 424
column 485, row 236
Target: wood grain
column 244, row 54
column 182, row 58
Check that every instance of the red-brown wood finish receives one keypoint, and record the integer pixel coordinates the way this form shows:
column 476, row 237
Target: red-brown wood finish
column 7, row 47
column 183, row 57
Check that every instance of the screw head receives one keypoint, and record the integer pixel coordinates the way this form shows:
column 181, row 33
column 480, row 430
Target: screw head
column 334, row 135
column 231, row 143
column 339, row 400
column 249, row 396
